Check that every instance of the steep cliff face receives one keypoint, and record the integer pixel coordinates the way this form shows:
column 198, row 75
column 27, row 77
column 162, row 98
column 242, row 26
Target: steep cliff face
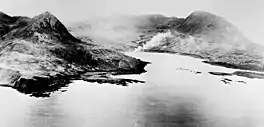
column 41, row 56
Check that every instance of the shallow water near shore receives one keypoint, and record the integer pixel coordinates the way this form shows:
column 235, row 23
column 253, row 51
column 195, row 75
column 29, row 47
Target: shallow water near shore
column 171, row 97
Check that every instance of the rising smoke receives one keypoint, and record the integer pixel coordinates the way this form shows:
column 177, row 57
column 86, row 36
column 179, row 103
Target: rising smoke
column 118, row 29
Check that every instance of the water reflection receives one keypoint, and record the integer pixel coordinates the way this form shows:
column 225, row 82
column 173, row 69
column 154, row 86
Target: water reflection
column 47, row 112
column 187, row 111
column 169, row 98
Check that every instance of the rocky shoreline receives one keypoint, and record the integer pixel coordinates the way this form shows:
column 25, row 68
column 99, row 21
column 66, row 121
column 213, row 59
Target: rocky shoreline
column 44, row 86
column 249, row 67
column 39, row 56
column 221, row 44
column 251, row 75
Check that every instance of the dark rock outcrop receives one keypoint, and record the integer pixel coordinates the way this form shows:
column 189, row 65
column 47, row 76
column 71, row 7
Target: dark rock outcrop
column 226, row 80
column 39, row 56
column 220, row 73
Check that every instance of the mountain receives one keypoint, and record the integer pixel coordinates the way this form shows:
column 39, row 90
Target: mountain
column 212, row 28
column 38, row 55
column 210, row 37
column 201, row 34
column 8, row 23
column 119, row 32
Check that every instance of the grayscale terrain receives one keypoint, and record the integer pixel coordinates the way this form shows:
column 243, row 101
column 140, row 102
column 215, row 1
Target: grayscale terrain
column 128, row 70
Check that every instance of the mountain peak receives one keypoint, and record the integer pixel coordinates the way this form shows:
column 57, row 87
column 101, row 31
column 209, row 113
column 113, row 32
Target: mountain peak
column 43, row 23
column 205, row 22
column 45, row 15
column 202, row 13
column 206, row 18
column 47, row 22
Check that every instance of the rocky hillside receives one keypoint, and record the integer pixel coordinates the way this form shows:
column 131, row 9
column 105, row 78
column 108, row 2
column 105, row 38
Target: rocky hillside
column 201, row 34
column 210, row 37
column 38, row 55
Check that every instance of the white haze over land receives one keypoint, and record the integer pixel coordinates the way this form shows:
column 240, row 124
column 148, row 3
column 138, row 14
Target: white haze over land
column 113, row 29
column 172, row 90
column 155, row 41
column 247, row 15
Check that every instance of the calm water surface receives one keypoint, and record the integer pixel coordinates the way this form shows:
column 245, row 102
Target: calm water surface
column 169, row 98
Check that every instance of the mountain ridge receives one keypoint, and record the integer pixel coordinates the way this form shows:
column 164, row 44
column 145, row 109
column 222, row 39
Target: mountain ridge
column 214, row 39
column 40, row 56
column 201, row 33
column 42, row 23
